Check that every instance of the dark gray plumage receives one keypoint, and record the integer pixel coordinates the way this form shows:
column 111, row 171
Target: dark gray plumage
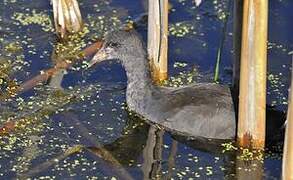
column 199, row 110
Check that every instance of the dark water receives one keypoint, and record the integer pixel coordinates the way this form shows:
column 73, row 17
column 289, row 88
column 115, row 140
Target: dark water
column 114, row 143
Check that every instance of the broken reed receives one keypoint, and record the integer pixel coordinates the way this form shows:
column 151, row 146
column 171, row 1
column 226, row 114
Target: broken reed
column 158, row 39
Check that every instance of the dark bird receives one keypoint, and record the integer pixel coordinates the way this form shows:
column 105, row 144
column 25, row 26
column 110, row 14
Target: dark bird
column 198, row 110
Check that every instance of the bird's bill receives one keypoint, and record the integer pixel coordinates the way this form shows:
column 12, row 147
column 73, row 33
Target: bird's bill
column 100, row 56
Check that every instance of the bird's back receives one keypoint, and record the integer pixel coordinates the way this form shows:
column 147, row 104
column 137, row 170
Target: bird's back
column 199, row 110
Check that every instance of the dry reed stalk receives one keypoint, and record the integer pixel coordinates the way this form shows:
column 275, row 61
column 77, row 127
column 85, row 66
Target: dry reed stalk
column 252, row 99
column 67, row 17
column 287, row 166
column 158, row 38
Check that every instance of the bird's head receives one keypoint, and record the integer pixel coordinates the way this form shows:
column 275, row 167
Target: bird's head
column 118, row 45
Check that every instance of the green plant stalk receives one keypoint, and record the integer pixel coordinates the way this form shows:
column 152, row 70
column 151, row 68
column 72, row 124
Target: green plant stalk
column 217, row 68
column 219, row 52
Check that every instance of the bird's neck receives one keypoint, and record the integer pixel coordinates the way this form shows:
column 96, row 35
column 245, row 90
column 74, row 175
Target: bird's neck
column 139, row 82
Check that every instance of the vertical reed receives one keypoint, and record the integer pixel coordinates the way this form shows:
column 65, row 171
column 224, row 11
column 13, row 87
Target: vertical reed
column 252, row 99
column 237, row 30
column 158, row 38
column 287, row 166
column 67, row 17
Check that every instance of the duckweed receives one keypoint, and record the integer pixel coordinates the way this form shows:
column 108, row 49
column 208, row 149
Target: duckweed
column 184, row 77
column 228, row 147
column 179, row 64
column 276, row 84
column 181, row 29
column 8, row 86
column 32, row 114
column 13, row 47
column 244, row 154
column 40, row 18
column 70, row 50
column 220, row 9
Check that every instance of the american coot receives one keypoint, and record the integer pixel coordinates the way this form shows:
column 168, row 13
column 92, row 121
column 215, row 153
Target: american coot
column 198, row 110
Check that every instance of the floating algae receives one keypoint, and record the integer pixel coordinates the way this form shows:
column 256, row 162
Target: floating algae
column 184, row 77
column 70, row 50
column 181, row 29
column 244, row 154
column 42, row 19
column 31, row 119
column 8, row 86
column 29, row 114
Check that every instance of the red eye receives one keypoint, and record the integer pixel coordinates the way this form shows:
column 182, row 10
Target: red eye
column 113, row 44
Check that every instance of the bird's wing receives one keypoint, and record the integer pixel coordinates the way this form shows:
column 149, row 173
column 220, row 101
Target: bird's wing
column 197, row 95
column 199, row 110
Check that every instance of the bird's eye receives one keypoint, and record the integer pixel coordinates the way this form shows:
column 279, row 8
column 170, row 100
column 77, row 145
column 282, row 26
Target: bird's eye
column 113, row 44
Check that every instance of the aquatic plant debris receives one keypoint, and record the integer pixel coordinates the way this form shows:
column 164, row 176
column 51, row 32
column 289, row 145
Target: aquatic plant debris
column 197, row 2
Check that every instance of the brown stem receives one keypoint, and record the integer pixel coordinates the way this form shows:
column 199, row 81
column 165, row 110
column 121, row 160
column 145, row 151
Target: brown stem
column 107, row 156
column 46, row 74
column 7, row 127
column 47, row 164
column 97, row 149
